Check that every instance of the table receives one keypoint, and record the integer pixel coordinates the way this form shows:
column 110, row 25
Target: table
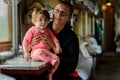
column 18, row 67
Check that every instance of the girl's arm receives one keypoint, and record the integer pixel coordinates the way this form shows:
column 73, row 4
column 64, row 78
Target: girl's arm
column 26, row 53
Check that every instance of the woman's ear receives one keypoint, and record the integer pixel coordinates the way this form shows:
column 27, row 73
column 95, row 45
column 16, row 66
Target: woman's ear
column 70, row 17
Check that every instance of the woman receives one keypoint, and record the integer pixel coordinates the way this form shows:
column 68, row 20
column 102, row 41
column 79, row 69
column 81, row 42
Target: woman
column 62, row 14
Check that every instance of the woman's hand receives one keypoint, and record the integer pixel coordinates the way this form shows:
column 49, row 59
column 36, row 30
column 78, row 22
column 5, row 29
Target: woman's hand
column 48, row 40
column 58, row 50
column 35, row 39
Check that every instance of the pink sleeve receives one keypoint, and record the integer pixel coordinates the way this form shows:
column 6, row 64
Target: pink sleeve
column 27, row 38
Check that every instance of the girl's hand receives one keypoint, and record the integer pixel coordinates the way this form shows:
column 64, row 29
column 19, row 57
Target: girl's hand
column 26, row 56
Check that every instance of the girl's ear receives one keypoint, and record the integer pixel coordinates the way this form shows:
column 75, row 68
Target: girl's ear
column 33, row 21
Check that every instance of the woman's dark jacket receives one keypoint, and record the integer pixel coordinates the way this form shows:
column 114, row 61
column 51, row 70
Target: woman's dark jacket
column 70, row 51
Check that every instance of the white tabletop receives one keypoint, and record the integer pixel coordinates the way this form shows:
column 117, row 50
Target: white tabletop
column 20, row 63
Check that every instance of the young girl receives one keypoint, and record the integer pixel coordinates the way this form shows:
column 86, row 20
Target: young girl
column 41, row 51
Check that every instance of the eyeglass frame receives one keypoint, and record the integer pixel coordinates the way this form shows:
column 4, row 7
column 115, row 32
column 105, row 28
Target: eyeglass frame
column 62, row 13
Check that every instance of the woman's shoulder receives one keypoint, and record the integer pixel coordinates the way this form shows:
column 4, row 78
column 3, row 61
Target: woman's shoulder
column 70, row 34
column 70, row 31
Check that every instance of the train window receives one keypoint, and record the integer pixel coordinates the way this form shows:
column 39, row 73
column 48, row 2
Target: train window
column 5, row 25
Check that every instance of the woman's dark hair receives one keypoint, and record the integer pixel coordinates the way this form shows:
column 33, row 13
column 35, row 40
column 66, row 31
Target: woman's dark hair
column 68, row 4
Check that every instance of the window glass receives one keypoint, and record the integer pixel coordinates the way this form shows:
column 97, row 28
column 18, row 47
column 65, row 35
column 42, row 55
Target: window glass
column 4, row 22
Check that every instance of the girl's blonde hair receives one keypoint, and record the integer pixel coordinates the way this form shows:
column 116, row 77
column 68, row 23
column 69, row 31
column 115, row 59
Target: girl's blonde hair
column 38, row 11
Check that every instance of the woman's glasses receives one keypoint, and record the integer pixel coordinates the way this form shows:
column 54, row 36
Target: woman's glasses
column 62, row 13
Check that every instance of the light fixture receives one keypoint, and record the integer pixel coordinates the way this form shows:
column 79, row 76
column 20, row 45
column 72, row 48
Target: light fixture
column 108, row 3
column 104, row 7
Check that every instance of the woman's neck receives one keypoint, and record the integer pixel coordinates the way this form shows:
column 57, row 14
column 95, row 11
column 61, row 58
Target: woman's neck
column 57, row 28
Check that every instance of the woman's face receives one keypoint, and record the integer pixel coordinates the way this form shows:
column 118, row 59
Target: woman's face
column 61, row 14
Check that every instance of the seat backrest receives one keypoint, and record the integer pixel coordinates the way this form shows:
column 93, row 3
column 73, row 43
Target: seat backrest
column 83, row 51
column 93, row 41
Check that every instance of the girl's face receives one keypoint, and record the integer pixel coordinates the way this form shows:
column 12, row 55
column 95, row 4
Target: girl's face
column 61, row 14
column 41, row 22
